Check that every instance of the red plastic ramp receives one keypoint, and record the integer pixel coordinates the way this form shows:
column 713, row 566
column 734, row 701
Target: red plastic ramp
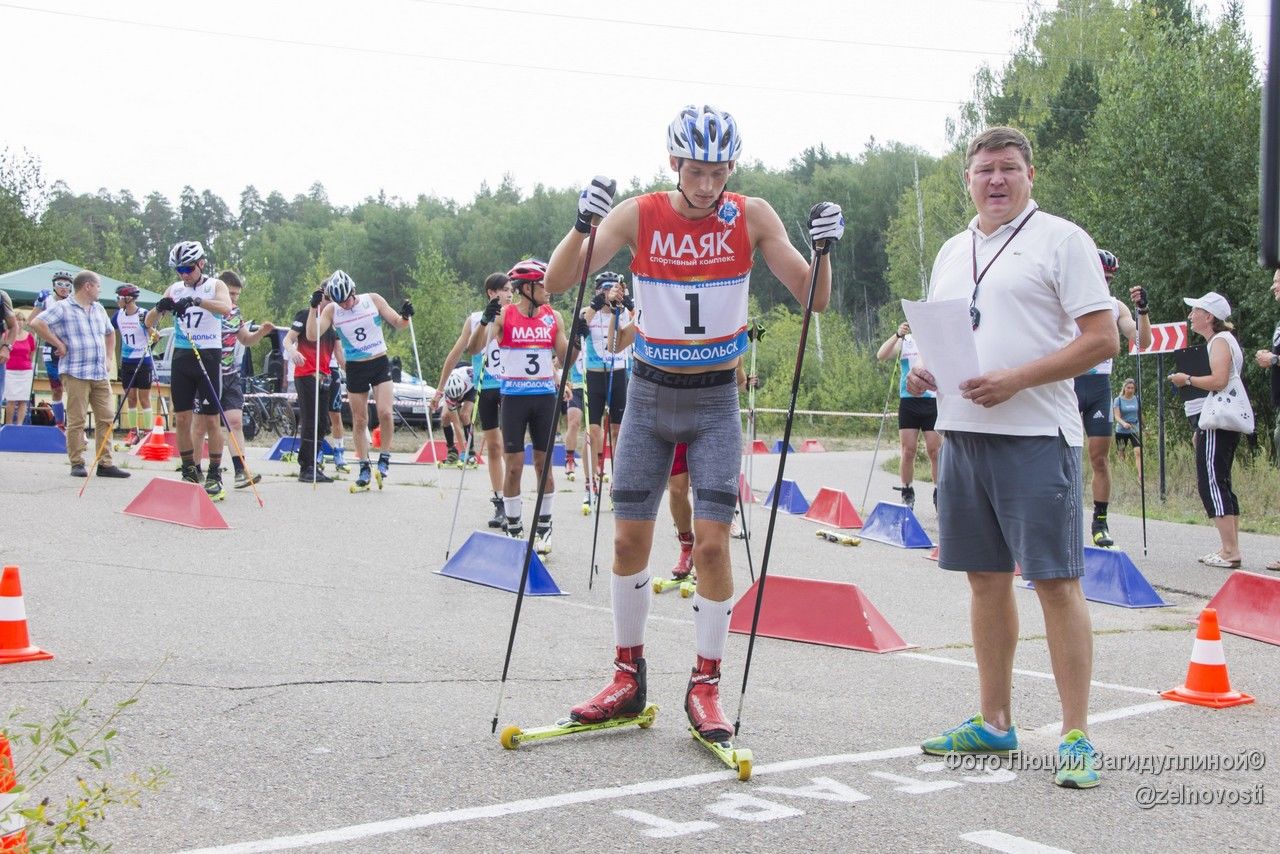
column 833, row 507
column 823, row 612
column 178, row 502
column 1248, row 604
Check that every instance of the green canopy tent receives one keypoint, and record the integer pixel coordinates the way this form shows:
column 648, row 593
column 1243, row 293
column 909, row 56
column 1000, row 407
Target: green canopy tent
column 24, row 285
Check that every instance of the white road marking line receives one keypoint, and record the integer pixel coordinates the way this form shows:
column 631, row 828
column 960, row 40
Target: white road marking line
column 1035, row 674
column 997, row 841
column 560, row 600
column 1113, row 715
column 527, row 805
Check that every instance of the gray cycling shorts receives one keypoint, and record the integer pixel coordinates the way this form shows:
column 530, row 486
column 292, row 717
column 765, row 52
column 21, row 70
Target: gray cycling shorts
column 659, row 416
column 1003, row 499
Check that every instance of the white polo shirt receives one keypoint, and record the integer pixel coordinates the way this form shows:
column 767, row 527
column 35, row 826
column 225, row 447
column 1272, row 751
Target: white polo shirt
column 1029, row 299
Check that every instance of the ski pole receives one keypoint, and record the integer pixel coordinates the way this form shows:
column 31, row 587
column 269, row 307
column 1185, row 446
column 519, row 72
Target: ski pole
column 820, row 249
column 884, row 416
column 102, row 446
column 589, row 464
column 417, row 362
column 235, row 446
column 1142, row 469
column 542, row 479
column 756, row 334
column 316, row 453
column 475, row 412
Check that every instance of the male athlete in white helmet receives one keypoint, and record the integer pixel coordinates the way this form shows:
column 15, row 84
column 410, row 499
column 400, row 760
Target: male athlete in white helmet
column 691, row 253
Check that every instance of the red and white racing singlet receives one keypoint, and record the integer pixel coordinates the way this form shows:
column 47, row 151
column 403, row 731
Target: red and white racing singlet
column 691, row 282
column 528, row 344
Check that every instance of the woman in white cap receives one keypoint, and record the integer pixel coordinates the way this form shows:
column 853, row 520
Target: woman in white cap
column 1216, row 448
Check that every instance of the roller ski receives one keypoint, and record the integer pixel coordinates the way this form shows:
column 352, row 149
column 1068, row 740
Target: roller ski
column 363, row 479
column 707, row 724
column 340, row 461
column 570, row 467
column 908, row 495
column 838, row 538
column 499, row 519
column 384, row 467
column 682, row 574
column 512, row 736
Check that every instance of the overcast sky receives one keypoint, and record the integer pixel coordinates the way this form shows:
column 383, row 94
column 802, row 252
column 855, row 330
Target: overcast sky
column 419, row 96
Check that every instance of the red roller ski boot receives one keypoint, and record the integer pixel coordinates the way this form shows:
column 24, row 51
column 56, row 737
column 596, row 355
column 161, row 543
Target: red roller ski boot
column 707, row 723
column 623, row 697
column 620, row 704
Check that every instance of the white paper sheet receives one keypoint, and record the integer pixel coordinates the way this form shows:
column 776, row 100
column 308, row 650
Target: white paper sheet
column 944, row 335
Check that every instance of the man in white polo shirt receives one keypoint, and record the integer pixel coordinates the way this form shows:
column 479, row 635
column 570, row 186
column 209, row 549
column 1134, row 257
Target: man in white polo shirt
column 1009, row 483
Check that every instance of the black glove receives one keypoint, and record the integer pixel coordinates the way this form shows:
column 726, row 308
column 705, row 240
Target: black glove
column 317, row 297
column 165, row 304
column 180, row 307
column 755, row 332
column 491, row 312
column 628, row 303
column 406, row 310
column 1141, row 302
column 597, row 301
column 581, row 329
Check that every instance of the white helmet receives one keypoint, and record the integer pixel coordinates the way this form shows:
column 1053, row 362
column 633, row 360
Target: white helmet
column 704, row 133
column 185, row 253
column 456, row 385
column 339, row 286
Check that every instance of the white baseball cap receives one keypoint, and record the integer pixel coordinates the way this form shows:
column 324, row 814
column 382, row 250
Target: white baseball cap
column 1212, row 302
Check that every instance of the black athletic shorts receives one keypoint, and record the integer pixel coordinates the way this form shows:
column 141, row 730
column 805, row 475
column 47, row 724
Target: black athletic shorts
column 1093, row 396
column 362, row 376
column 187, row 383
column 598, row 391
column 490, row 407
column 917, row 413
column 534, row 412
column 136, row 374
column 574, row 402
column 232, row 397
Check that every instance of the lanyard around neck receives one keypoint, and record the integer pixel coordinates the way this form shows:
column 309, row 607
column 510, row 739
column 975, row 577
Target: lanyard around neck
column 978, row 277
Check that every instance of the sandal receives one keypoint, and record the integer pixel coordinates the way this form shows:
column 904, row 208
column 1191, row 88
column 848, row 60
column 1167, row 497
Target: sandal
column 1219, row 561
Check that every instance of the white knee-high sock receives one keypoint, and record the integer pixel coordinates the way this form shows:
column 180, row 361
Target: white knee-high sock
column 711, row 626
column 631, row 600
column 512, row 504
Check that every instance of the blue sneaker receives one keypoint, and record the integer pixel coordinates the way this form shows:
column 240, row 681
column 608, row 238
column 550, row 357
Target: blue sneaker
column 972, row 737
column 1077, row 762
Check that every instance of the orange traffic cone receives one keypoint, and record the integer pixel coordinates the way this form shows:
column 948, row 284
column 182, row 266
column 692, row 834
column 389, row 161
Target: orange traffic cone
column 1207, row 682
column 377, row 437
column 15, row 644
column 13, row 834
column 156, row 448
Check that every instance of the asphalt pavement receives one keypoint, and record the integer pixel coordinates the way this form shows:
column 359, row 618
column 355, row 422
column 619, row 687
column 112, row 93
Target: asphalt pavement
column 315, row 685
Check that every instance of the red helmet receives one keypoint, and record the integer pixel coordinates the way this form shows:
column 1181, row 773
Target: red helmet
column 128, row 291
column 528, row 270
column 1110, row 263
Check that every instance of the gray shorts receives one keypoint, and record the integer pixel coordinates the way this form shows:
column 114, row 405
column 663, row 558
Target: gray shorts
column 658, row 417
column 1010, row 498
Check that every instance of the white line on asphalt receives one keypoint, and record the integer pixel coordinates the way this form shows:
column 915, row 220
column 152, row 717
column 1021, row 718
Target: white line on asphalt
column 604, row 610
column 998, row 841
column 1036, row 674
column 1113, row 715
column 527, row 805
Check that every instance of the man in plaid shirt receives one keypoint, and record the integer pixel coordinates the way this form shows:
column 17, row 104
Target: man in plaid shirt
column 81, row 335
